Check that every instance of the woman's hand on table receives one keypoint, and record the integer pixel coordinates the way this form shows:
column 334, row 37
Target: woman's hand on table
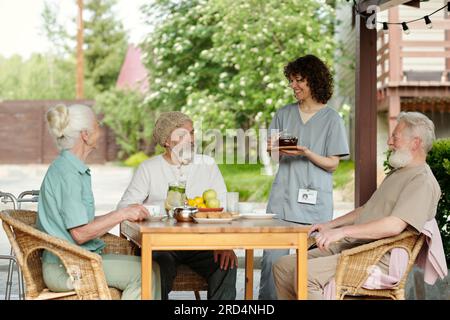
column 134, row 213
column 227, row 258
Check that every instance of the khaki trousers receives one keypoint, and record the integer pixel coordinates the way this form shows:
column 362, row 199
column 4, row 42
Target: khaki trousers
column 321, row 269
column 121, row 272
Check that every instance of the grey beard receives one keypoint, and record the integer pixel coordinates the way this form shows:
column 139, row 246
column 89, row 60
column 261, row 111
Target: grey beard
column 400, row 158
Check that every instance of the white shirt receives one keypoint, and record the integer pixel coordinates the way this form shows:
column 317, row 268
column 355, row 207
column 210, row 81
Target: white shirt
column 151, row 180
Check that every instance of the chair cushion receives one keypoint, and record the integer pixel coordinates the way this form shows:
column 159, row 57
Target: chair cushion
column 46, row 294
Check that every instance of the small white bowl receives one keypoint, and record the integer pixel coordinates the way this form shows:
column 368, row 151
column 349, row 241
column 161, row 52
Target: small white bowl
column 259, row 211
column 245, row 207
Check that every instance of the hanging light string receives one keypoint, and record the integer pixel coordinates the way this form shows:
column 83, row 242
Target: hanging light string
column 404, row 24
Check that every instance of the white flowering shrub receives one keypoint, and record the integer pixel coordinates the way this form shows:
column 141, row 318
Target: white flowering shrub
column 221, row 61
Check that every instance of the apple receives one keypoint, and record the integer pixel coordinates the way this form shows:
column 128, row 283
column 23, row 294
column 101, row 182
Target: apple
column 212, row 203
column 209, row 194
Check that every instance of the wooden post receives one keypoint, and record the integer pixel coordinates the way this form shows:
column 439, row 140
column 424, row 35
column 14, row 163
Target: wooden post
column 447, row 38
column 395, row 68
column 80, row 64
column 365, row 112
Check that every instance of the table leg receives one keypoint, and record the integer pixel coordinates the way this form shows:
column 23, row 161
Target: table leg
column 302, row 267
column 120, row 232
column 249, row 274
column 146, row 268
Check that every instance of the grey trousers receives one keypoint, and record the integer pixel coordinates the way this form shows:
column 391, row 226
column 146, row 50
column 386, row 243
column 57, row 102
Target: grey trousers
column 221, row 283
column 267, row 289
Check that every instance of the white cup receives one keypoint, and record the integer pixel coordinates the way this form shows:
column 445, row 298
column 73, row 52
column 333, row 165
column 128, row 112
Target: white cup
column 154, row 210
column 245, row 207
column 232, row 201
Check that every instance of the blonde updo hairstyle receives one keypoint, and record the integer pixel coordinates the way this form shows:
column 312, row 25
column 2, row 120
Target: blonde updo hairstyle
column 66, row 123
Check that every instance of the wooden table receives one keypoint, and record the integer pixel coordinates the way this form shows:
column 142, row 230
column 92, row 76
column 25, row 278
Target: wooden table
column 240, row 234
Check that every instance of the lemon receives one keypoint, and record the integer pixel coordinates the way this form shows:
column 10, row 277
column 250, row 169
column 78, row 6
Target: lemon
column 198, row 201
column 192, row 202
column 202, row 205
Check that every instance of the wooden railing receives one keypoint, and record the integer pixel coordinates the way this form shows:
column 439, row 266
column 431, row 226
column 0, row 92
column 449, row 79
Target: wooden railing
column 382, row 59
column 392, row 49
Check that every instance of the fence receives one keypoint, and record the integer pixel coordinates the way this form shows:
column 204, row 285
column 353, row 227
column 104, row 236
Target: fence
column 24, row 137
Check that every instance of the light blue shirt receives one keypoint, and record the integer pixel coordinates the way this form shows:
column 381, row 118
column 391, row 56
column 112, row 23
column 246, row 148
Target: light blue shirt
column 66, row 201
column 324, row 134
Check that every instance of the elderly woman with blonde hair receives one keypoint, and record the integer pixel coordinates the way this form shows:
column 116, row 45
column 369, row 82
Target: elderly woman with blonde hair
column 66, row 206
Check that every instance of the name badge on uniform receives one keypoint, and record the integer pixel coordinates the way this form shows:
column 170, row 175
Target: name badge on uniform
column 308, row 196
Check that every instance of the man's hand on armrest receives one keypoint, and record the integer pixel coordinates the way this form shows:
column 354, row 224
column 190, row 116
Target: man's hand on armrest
column 378, row 229
column 346, row 219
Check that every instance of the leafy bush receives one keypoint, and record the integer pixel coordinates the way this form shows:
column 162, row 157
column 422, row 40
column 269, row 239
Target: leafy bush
column 136, row 159
column 439, row 161
column 124, row 112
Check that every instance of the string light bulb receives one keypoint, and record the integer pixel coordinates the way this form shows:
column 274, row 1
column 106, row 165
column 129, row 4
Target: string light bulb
column 405, row 28
column 428, row 22
column 405, row 23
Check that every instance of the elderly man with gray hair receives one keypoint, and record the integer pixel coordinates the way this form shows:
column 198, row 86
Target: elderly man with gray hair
column 407, row 198
column 174, row 131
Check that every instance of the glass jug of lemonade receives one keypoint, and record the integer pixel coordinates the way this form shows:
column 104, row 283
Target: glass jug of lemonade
column 176, row 196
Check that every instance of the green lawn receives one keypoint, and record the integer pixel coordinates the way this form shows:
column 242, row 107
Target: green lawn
column 252, row 185
column 248, row 180
column 343, row 174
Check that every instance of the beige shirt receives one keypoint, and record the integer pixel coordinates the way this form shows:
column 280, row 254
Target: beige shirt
column 411, row 194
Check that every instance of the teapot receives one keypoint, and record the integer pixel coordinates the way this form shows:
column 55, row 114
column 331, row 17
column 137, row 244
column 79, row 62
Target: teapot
column 184, row 214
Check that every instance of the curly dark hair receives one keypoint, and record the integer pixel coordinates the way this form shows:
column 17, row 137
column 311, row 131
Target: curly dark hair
column 316, row 73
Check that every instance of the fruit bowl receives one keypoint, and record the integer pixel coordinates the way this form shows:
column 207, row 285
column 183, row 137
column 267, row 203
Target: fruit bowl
column 210, row 209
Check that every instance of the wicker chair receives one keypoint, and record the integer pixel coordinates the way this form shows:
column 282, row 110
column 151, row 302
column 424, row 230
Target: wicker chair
column 351, row 272
column 188, row 280
column 83, row 266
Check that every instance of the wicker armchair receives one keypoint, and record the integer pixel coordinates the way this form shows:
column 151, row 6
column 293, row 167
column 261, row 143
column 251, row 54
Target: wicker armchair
column 351, row 272
column 188, row 280
column 84, row 267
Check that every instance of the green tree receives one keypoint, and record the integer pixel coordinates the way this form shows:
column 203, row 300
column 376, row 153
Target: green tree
column 106, row 43
column 62, row 42
column 42, row 76
column 221, row 61
column 182, row 30
column 124, row 112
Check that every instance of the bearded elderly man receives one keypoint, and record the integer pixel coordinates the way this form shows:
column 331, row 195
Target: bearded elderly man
column 407, row 198
column 174, row 131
